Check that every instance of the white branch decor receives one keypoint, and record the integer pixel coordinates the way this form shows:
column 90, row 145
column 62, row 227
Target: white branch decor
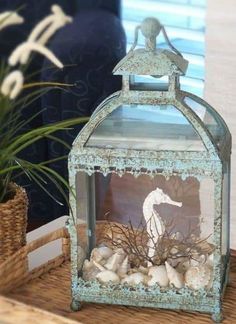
column 47, row 27
column 9, row 18
column 12, row 84
column 17, row 55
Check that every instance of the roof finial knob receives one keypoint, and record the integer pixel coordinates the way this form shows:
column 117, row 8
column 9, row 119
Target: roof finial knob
column 150, row 28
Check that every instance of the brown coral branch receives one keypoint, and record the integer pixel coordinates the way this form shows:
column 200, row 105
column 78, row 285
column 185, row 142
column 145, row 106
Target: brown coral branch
column 134, row 241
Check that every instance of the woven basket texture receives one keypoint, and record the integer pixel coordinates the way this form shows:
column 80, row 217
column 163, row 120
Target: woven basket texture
column 13, row 223
column 48, row 287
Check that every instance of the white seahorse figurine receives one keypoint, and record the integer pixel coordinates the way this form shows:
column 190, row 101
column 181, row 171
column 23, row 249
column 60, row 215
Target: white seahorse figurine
column 155, row 225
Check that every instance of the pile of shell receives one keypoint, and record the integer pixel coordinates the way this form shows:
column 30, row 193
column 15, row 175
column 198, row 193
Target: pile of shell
column 108, row 265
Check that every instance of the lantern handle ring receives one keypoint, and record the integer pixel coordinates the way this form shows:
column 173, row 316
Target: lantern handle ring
column 151, row 28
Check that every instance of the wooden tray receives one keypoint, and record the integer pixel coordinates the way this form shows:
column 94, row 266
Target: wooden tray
column 12, row 311
column 48, row 288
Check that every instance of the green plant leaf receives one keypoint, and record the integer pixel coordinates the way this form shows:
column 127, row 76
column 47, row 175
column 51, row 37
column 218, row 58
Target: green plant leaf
column 24, row 140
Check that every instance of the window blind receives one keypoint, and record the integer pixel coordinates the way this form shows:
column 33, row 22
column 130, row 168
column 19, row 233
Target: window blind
column 184, row 21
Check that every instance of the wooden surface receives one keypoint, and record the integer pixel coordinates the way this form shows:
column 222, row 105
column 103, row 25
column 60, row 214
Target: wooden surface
column 12, row 312
column 51, row 292
column 220, row 85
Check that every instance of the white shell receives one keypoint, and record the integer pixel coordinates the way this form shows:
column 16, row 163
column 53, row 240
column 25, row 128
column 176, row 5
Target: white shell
column 134, row 279
column 175, row 278
column 114, row 262
column 87, row 265
column 95, row 255
column 100, row 253
column 120, row 251
column 143, row 269
column 195, row 262
column 158, row 275
column 124, row 267
column 108, row 276
column 199, row 277
column 176, row 236
column 105, row 251
column 133, row 270
column 90, row 270
column 99, row 266
column 181, row 264
column 210, row 259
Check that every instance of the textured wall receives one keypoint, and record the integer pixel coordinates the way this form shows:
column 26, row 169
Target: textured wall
column 220, row 88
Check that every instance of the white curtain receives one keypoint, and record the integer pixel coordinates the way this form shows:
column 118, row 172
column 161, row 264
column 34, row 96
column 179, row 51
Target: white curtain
column 185, row 24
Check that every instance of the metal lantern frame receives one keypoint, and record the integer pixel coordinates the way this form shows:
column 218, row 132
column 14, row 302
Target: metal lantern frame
column 210, row 163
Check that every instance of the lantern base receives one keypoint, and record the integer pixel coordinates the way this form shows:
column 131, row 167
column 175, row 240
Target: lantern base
column 217, row 317
column 75, row 305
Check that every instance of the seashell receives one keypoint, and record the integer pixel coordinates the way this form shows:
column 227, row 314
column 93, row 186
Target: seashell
column 174, row 250
column 90, row 270
column 135, row 279
column 135, row 261
column 158, row 276
column 108, row 276
column 114, row 262
column 101, row 252
column 87, row 265
column 176, row 236
column 133, row 270
column 124, row 267
column 195, row 261
column 96, row 255
column 180, row 264
column 175, row 278
column 210, row 260
column 198, row 277
column 105, row 252
column 99, row 266
column 120, row 251
column 143, row 270
column 198, row 259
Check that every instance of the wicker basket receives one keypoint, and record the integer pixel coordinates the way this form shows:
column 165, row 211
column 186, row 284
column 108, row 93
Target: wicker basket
column 13, row 222
column 14, row 271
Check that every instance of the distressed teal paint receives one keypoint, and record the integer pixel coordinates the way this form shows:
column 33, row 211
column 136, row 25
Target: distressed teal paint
column 200, row 164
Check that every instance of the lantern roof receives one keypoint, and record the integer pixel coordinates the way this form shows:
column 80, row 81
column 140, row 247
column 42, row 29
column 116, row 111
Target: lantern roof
column 139, row 129
column 159, row 62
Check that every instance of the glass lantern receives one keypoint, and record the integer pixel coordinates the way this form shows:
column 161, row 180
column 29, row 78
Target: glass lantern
column 151, row 175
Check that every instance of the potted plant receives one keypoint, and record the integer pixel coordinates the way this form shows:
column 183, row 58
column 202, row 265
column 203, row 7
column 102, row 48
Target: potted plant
column 13, row 136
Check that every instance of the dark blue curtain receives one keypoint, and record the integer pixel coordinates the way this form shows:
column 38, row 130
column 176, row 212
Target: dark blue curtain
column 89, row 48
column 113, row 6
column 34, row 10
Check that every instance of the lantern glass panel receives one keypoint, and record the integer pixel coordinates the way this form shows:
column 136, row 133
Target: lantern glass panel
column 83, row 209
column 149, row 83
column 225, row 211
column 211, row 120
column 146, row 127
column 129, row 211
